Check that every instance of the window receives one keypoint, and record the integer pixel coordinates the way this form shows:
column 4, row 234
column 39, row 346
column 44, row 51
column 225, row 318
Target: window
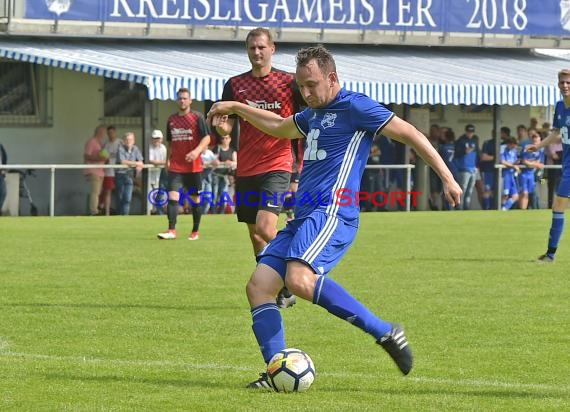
column 124, row 102
column 23, row 94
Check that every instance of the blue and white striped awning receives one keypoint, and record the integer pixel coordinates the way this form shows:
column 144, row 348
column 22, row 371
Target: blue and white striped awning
column 401, row 75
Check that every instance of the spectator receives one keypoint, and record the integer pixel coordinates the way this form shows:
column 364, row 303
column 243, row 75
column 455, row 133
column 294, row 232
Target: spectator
column 447, row 153
column 435, row 185
column 128, row 155
column 488, row 172
column 533, row 161
column 466, row 158
column 111, row 147
column 95, row 155
column 209, row 161
column 157, row 158
column 522, row 135
column 371, row 178
column 298, row 146
column 553, row 153
column 510, row 159
column 533, row 123
column 225, row 167
column 3, row 191
column 187, row 135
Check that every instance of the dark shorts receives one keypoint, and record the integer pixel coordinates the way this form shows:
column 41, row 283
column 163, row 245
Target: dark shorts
column 190, row 182
column 109, row 182
column 260, row 192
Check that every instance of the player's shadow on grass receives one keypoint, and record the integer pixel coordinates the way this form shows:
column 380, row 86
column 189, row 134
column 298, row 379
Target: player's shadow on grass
column 185, row 308
column 462, row 259
column 539, row 394
column 198, row 382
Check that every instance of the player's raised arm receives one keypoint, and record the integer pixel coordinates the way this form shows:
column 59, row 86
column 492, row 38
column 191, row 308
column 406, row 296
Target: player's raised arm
column 268, row 122
column 406, row 133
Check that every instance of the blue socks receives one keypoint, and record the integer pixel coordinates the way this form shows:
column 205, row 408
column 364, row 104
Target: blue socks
column 335, row 299
column 556, row 229
column 268, row 323
column 509, row 203
column 268, row 329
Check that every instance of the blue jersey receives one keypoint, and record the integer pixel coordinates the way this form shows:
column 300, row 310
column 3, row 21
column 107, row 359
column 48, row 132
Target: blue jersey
column 447, row 153
column 531, row 156
column 511, row 156
column 338, row 141
column 561, row 121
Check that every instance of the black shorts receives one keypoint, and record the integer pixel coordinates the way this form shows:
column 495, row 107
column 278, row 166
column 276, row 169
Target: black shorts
column 260, row 192
column 295, row 177
column 190, row 182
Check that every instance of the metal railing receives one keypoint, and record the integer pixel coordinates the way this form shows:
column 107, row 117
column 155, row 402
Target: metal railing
column 499, row 190
column 53, row 167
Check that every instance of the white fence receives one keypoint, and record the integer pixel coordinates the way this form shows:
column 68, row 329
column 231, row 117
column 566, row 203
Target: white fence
column 54, row 167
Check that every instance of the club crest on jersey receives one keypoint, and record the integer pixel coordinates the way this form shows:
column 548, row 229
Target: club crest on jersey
column 328, row 120
column 262, row 104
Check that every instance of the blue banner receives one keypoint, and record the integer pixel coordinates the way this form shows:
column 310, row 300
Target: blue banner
column 518, row 17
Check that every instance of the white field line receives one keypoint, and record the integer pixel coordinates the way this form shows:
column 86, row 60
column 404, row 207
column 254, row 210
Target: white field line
column 213, row 366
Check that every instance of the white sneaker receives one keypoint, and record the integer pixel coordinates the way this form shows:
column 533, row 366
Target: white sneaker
column 170, row 234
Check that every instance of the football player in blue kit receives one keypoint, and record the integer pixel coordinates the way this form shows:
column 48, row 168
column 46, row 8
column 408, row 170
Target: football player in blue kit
column 560, row 132
column 339, row 127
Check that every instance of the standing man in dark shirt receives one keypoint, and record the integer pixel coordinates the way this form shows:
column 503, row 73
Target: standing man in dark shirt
column 488, row 172
column 264, row 162
column 3, row 190
column 187, row 135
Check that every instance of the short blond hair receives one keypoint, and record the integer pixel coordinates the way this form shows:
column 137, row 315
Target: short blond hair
column 563, row 72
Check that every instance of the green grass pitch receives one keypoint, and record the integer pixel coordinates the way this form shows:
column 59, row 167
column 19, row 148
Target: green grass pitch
column 99, row 315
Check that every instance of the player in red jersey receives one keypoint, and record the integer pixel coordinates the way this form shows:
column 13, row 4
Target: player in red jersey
column 264, row 162
column 187, row 135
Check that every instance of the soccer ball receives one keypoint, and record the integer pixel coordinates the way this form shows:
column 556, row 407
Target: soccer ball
column 291, row 370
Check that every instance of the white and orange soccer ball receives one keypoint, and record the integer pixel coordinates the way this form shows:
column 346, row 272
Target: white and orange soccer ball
column 291, row 370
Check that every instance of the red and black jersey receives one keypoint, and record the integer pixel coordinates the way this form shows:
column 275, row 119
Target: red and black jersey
column 259, row 152
column 184, row 133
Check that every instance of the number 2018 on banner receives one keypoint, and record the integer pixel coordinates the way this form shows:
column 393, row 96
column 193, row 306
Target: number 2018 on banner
column 502, row 13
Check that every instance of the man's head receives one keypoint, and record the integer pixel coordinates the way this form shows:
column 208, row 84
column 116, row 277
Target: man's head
column 564, row 82
column 260, row 48
column 129, row 139
column 434, row 132
column 316, row 76
column 156, row 137
column 505, row 133
column 521, row 132
column 225, row 139
column 512, row 142
column 100, row 132
column 534, row 135
column 111, row 132
column 184, row 99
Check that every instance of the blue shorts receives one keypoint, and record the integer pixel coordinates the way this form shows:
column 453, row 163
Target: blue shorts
column 489, row 179
column 319, row 240
column 510, row 185
column 527, row 182
column 564, row 185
